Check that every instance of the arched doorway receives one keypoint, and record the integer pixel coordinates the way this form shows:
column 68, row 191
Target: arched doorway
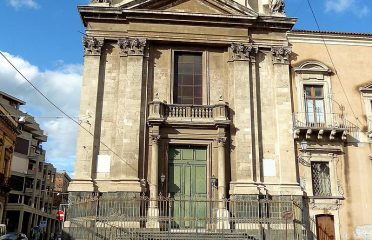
column 325, row 227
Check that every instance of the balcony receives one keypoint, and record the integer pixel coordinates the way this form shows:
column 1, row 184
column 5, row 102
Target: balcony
column 330, row 125
column 180, row 114
column 369, row 121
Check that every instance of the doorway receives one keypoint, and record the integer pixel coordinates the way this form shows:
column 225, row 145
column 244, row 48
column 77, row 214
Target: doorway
column 325, row 227
column 187, row 185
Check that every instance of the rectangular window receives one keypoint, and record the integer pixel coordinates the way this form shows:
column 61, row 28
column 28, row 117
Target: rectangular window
column 22, row 146
column 321, row 179
column 188, row 87
column 314, row 104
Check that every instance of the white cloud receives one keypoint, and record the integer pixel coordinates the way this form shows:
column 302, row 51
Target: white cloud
column 23, row 3
column 352, row 6
column 62, row 86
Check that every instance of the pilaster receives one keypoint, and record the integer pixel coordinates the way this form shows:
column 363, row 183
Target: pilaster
column 241, row 130
column 129, row 111
column 86, row 147
column 287, row 171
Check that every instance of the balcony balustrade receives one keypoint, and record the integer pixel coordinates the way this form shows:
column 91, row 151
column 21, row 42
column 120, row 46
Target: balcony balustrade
column 369, row 122
column 333, row 125
column 161, row 112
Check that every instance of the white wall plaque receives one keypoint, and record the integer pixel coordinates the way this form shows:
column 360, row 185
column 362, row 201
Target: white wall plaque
column 269, row 168
column 103, row 164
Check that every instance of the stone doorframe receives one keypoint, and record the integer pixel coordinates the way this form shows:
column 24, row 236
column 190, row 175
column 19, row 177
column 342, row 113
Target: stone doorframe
column 213, row 138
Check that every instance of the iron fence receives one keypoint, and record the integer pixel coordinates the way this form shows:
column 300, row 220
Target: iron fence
column 184, row 218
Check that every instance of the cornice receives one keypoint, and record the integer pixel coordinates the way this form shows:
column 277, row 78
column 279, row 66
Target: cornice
column 330, row 38
column 117, row 14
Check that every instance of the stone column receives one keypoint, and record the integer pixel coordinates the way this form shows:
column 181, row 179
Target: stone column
column 221, row 169
column 153, row 211
column 222, row 212
column 86, row 149
column 287, row 179
column 241, row 128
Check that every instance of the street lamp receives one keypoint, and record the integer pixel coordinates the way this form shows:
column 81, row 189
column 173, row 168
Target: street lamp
column 304, row 145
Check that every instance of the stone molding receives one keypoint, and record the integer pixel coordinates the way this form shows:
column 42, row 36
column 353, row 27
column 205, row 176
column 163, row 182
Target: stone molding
column 243, row 52
column 132, row 46
column 281, row 54
column 92, row 45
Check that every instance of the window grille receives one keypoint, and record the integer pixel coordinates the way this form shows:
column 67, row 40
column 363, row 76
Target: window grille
column 321, row 179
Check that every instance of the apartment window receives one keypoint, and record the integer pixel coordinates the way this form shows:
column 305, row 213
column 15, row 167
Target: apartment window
column 314, row 104
column 188, row 88
column 22, row 146
column 321, row 179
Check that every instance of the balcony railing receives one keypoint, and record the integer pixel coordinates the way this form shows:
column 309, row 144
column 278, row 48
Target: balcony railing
column 194, row 114
column 323, row 122
column 185, row 218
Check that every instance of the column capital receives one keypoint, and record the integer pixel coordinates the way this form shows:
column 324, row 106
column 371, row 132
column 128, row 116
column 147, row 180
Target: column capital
column 92, row 45
column 132, row 46
column 155, row 139
column 243, row 52
column 222, row 140
column 281, row 54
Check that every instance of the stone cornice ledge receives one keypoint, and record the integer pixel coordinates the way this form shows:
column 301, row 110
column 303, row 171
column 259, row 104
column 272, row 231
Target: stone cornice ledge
column 330, row 38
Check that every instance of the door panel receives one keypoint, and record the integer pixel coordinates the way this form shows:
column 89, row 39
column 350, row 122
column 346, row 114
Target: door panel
column 187, row 180
column 325, row 227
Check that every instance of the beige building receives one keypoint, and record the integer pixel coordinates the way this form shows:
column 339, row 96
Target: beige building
column 219, row 99
column 32, row 178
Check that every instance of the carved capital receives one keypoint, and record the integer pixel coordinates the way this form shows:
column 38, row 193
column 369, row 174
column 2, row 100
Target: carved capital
column 243, row 52
column 281, row 54
column 155, row 139
column 277, row 7
column 222, row 141
column 132, row 46
column 92, row 45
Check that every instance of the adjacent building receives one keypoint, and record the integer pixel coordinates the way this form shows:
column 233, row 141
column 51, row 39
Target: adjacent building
column 8, row 134
column 61, row 183
column 32, row 179
column 218, row 114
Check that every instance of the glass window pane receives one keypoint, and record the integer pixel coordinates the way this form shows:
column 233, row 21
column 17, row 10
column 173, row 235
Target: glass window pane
column 188, row 78
column 307, row 90
column 318, row 91
column 319, row 110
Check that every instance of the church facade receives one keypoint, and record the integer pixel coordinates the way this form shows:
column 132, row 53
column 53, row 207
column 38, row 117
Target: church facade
column 220, row 99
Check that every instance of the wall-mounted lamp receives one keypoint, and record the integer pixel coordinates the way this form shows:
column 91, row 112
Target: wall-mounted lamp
column 304, row 145
column 162, row 179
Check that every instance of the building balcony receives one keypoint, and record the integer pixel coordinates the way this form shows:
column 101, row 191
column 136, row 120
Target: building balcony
column 369, row 122
column 324, row 125
column 182, row 114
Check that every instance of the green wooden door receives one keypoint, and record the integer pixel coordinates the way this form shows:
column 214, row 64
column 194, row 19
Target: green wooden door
column 187, row 184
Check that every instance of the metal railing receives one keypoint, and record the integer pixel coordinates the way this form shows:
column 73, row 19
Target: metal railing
column 320, row 120
column 184, row 218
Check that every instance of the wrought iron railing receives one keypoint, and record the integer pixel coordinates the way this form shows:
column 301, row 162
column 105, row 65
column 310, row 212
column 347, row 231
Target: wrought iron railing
column 170, row 218
column 320, row 120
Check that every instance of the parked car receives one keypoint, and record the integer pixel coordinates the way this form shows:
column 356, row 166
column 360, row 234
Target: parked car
column 14, row 236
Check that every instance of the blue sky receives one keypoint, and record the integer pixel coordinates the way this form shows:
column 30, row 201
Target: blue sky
column 42, row 38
